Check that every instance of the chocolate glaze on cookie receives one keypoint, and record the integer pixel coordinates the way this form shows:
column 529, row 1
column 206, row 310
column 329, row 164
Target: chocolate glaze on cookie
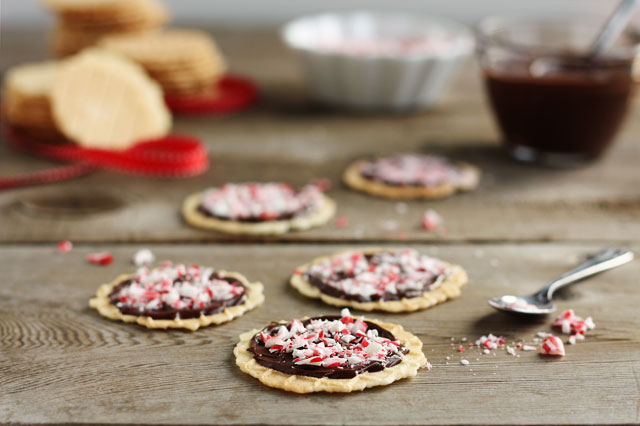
column 285, row 362
column 168, row 312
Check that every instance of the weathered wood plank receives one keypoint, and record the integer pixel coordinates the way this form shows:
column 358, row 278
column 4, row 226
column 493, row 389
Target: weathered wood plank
column 61, row 362
column 288, row 138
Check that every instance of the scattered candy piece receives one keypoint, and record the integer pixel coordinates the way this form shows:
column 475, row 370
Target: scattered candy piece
column 490, row 341
column 572, row 324
column 104, row 258
column 65, row 246
column 428, row 366
column 464, row 362
column 341, row 222
column 528, row 348
column 432, row 221
column 552, row 345
column 143, row 257
column 402, row 208
column 460, row 348
column 323, row 184
column 543, row 334
column 511, row 351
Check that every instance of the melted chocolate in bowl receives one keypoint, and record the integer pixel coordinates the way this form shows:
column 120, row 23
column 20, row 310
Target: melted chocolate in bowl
column 169, row 312
column 284, row 362
column 574, row 107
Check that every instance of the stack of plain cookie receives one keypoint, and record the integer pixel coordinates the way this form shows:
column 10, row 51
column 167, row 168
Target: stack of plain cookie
column 26, row 101
column 82, row 23
column 95, row 99
column 184, row 62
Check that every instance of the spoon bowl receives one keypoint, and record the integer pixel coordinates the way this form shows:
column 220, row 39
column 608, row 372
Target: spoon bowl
column 540, row 303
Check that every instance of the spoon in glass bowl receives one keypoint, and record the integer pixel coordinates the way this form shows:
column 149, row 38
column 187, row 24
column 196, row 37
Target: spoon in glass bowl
column 540, row 303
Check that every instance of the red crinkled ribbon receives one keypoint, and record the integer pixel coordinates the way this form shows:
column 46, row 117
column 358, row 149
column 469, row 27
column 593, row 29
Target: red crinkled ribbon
column 171, row 156
column 234, row 93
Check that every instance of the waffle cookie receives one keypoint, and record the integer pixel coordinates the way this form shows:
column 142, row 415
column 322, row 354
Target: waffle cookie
column 376, row 279
column 101, row 100
column 26, row 102
column 411, row 176
column 81, row 24
column 183, row 62
column 177, row 296
column 332, row 353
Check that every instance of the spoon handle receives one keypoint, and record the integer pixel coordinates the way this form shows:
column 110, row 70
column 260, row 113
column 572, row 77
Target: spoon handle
column 614, row 27
column 602, row 261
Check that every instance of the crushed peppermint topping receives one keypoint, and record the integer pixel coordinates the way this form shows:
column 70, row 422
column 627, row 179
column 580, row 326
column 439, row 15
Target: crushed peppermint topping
column 346, row 342
column 432, row 221
column 388, row 275
column 102, row 259
column 176, row 287
column 143, row 257
column 490, row 342
column 260, row 201
column 574, row 325
column 65, row 246
column 417, row 169
column 552, row 345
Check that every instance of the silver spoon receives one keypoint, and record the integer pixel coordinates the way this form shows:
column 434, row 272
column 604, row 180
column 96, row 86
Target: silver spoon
column 609, row 33
column 540, row 303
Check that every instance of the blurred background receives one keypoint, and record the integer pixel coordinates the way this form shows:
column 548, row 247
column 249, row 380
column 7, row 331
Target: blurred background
column 274, row 12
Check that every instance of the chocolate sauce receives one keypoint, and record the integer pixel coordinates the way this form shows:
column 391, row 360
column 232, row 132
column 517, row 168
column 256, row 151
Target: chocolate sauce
column 335, row 292
column 169, row 312
column 284, row 216
column 283, row 361
column 574, row 106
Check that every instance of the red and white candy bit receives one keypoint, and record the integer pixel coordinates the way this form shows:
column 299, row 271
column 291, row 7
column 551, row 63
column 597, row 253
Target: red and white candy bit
column 341, row 222
column 552, row 345
column 265, row 201
column 432, row 222
column 371, row 277
column 329, row 343
column 490, row 342
column 65, row 246
column 143, row 257
column 178, row 287
column 103, row 259
column 417, row 169
column 574, row 325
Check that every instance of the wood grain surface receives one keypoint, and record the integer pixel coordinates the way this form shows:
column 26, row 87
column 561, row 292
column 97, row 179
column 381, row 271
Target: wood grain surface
column 62, row 362
column 289, row 138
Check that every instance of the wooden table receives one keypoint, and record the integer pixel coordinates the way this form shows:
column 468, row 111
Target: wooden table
column 62, row 363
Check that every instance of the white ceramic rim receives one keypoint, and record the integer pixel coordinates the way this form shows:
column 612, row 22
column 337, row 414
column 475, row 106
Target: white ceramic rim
column 464, row 46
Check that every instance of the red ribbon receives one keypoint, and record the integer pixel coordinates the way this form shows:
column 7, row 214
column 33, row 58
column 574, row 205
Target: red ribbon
column 234, row 93
column 172, row 156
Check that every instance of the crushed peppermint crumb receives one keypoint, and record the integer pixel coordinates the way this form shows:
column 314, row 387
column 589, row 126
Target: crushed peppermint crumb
column 143, row 257
column 552, row 345
column 486, row 351
column 402, row 208
column 460, row 348
column 179, row 287
column 102, row 259
column 341, row 222
column 528, row 348
column 432, row 221
column 464, row 362
column 387, row 274
column 428, row 366
column 264, row 201
column 511, row 351
column 543, row 334
column 490, row 341
column 65, row 246
column 323, row 184
column 569, row 323
column 340, row 343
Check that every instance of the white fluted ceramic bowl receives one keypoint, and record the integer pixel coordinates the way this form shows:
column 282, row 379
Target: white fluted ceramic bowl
column 376, row 61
